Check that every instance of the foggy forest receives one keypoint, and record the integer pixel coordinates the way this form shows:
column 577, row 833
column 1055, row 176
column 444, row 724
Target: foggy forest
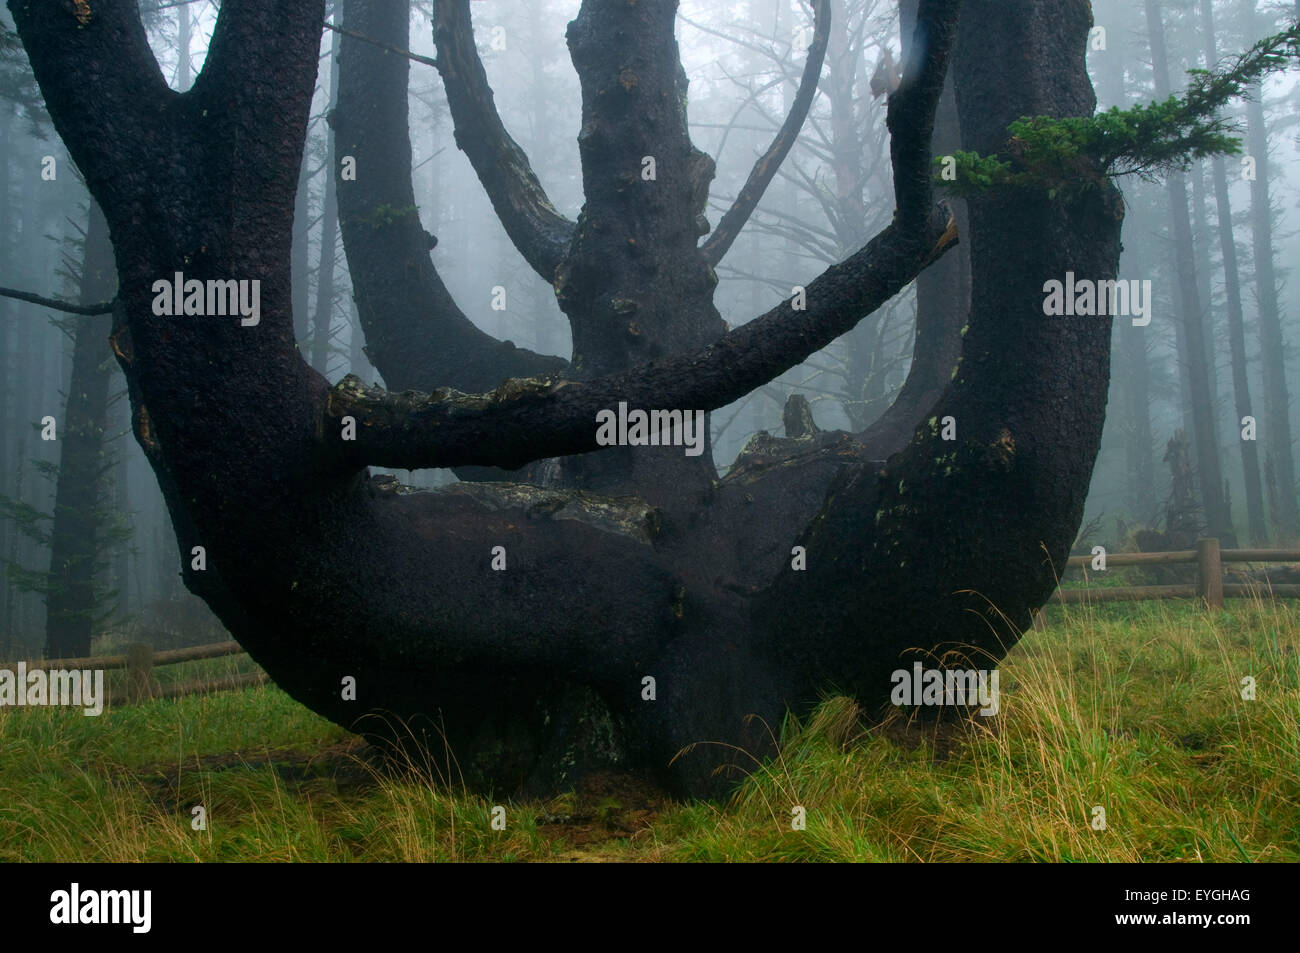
column 670, row 429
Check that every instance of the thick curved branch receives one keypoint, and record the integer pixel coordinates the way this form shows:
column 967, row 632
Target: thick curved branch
column 541, row 234
column 416, row 335
column 250, row 32
column 765, row 168
column 936, row 528
column 127, row 100
column 942, row 301
column 525, row 420
column 104, row 307
column 918, row 95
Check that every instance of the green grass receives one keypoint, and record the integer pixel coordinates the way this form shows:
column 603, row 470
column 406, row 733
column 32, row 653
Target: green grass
column 1133, row 707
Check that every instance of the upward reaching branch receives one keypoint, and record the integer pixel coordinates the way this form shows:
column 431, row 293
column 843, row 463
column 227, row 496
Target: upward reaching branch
column 416, row 335
column 249, row 32
column 129, row 99
column 528, row 420
column 541, row 234
column 910, row 116
column 765, row 168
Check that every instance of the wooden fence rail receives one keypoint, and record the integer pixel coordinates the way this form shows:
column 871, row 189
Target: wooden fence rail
column 139, row 662
column 1209, row 560
column 140, row 659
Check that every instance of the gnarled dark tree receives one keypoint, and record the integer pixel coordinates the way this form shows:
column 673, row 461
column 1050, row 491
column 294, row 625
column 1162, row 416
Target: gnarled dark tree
column 627, row 562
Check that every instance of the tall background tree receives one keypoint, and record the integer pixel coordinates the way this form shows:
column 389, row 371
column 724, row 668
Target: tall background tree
column 82, row 530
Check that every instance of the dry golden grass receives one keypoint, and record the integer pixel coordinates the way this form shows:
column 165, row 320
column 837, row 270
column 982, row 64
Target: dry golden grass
column 1134, row 708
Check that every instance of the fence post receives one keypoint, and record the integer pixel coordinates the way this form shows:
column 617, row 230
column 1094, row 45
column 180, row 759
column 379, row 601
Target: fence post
column 139, row 670
column 1209, row 572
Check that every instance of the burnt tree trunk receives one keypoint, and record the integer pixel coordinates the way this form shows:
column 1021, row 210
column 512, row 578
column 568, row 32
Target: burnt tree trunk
column 325, row 574
column 1026, row 430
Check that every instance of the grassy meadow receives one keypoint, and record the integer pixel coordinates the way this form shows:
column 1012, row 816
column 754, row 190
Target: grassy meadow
column 1135, row 708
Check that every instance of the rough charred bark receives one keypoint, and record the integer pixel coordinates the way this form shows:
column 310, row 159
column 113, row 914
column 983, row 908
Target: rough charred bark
column 1027, row 429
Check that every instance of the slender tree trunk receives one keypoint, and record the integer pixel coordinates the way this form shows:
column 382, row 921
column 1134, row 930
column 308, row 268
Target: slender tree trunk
column 1134, row 381
column 1138, row 441
column 121, row 455
column 1201, row 245
column 9, row 370
column 75, row 539
column 1236, row 327
column 1197, row 357
column 184, row 75
column 298, row 256
column 323, row 321
column 1276, row 430
column 1224, row 434
column 25, row 396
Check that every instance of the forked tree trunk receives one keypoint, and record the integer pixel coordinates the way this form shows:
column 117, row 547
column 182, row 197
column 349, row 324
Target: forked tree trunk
column 324, row 574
